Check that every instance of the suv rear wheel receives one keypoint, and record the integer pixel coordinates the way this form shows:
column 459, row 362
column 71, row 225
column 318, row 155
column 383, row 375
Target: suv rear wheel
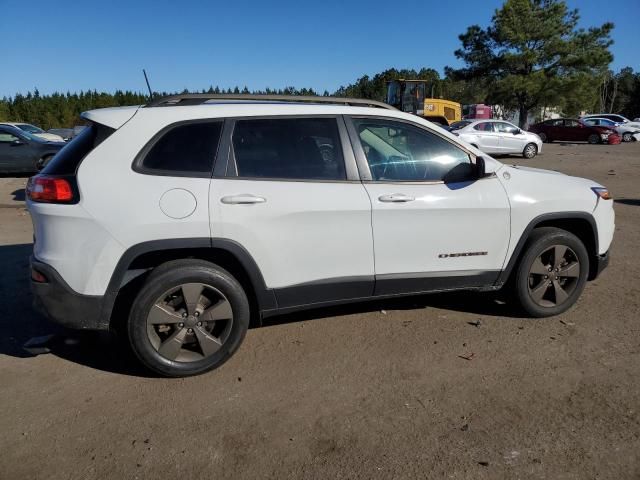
column 189, row 317
column 552, row 272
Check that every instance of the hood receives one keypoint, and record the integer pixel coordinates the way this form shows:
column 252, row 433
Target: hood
column 50, row 137
column 537, row 170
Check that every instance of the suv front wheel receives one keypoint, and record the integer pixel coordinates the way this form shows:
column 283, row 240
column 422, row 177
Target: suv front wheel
column 552, row 272
column 189, row 317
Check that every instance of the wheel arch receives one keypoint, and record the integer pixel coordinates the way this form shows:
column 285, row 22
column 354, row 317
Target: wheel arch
column 581, row 224
column 136, row 263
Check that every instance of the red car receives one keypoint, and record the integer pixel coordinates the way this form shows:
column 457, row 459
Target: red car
column 572, row 130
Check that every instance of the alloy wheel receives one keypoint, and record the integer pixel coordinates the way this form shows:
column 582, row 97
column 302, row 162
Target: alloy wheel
column 627, row 137
column 189, row 322
column 553, row 276
column 530, row 151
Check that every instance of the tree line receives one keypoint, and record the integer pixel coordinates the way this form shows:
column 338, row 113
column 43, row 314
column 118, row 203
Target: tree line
column 532, row 56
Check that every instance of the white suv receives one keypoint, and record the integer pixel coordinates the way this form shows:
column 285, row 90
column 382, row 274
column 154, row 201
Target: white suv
column 183, row 219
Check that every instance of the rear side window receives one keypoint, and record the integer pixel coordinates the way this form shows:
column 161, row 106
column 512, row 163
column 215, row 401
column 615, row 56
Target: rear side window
column 484, row 127
column 67, row 160
column 289, row 148
column 185, row 149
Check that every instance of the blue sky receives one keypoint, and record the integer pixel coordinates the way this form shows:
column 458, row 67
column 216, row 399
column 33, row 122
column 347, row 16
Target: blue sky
column 69, row 45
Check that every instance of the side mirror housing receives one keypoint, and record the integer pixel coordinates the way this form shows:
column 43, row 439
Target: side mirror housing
column 17, row 142
column 517, row 132
column 481, row 169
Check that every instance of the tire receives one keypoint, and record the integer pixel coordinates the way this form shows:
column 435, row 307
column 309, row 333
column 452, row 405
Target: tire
column 530, row 150
column 593, row 139
column 165, row 330
column 543, row 137
column 627, row 137
column 544, row 293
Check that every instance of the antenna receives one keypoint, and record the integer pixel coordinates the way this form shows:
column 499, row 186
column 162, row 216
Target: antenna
column 148, row 86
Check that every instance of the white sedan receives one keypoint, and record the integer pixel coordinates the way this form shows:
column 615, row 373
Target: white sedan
column 628, row 131
column 498, row 137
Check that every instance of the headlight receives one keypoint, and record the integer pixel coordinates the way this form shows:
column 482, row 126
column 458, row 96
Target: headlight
column 602, row 192
column 604, row 136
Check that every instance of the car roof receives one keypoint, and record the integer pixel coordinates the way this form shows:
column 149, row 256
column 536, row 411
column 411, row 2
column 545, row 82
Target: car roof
column 115, row 117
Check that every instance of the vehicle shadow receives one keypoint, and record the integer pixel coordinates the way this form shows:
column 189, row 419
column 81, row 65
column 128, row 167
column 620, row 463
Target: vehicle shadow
column 19, row 322
column 19, row 195
column 628, row 201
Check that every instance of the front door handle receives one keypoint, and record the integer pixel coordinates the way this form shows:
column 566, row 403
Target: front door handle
column 242, row 199
column 396, row 198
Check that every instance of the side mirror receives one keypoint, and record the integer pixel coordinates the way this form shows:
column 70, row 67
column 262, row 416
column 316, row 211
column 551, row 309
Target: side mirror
column 480, row 167
column 517, row 132
column 17, row 142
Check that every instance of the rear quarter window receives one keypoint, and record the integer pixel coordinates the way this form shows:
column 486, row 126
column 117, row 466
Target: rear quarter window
column 67, row 160
column 187, row 149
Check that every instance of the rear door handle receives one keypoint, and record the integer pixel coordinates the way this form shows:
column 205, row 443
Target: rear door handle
column 242, row 199
column 396, row 198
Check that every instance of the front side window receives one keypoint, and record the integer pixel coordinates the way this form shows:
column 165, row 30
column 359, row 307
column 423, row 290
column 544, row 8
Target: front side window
column 289, row 148
column 571, row 123
column 186, row 148
column 504, row 127
column 397, row 151
column 458, row 125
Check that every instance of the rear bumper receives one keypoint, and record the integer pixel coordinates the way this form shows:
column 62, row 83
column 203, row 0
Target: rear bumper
column 601, row 262
column 62, row 305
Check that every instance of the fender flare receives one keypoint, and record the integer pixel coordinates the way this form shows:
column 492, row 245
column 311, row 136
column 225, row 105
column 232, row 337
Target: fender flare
column 545, row 217
column 265, row 297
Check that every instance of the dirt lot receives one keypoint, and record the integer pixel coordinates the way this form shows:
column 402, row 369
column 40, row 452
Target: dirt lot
column 370, row 391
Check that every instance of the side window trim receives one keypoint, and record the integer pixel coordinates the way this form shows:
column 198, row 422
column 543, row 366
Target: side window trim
column 231, row 168
column 361, row 158
column 137, row 164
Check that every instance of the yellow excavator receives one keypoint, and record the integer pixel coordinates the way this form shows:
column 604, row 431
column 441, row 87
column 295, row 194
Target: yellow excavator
column 409, row 96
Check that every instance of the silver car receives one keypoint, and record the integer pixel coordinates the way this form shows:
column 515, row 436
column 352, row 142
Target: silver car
column 627, row 131
column 497, row 137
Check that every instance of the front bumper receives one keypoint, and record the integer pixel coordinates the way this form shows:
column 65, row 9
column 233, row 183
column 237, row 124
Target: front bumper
column 601, row 262
column 62, row 305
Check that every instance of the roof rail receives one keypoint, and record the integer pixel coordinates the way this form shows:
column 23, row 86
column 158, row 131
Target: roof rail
column 200, row 98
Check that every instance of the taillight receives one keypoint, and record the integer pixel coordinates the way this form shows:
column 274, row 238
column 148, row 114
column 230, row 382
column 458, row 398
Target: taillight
column 50, row 189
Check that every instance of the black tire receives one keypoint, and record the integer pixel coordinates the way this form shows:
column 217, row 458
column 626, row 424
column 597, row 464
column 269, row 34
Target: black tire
column 173, row 275
column 530, row 150
column 543, row 137
column 594, row 138
column 545, row 240
column 627, row 137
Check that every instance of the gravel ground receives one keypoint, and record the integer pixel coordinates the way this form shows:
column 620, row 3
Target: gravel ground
column 368, row 391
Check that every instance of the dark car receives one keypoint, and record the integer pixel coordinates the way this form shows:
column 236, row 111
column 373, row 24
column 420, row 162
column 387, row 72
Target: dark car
column 572, row 130
column 22, row 152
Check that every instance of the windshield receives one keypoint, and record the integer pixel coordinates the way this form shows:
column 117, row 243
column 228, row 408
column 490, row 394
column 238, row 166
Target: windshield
column 458, row 125
column 29, row 128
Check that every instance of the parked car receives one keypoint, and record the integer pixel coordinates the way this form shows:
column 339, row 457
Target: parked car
column 619, row 119
column 626, row 132
column 572, row 130
column 65, row 133
column 187, row 217
column 22, row 152
column 498, row 137
column 33, row 130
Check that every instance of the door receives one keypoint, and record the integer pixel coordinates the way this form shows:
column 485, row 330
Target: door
column 434, row 225
column 488, row 137
column 575, row 132
column 15, row 153
column 511, row 138
column 292, row 198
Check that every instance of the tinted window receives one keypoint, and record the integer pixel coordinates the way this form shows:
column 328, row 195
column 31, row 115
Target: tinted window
column 190, row 147
column 458, row 125
column 484, row 127
column 397, row 151
column 66, row 161
column 571, row 123
column 292, row 148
